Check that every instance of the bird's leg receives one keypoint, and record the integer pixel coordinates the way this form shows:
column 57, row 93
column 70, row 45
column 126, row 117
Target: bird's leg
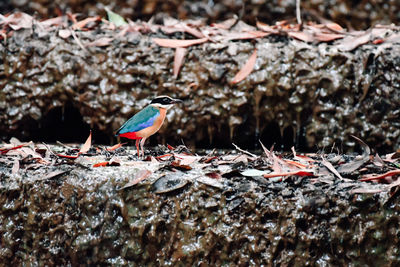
column 137, row 147
column 142, row 144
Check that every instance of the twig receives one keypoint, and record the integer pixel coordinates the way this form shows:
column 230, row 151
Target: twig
column 244, row 151
column 49, row 149
column 78, row 41
column 298, row 12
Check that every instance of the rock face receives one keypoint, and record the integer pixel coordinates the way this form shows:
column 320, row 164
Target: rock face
column 311, row 95
column 355, row 14
column 80, row 217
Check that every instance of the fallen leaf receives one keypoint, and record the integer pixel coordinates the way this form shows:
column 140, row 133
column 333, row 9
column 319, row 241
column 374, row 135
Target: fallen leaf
column 115, row 18
column 53, row 174
column 101, row 164
column 174, row 43
column 253, row 172
column 17, row 21
column 4, row 150
column 103, row 41
column 86, row 146
column 81, row 24
column 355, row 164
column 15, row 167
column 302, row 36
column 327, row 37
column 334, row 27
column 330, row 167
column 265, row 27
column 178, row 60
column 246, row 69
column 140, row 176
column 177, row 164
column 380, row 176
column 352, row 42
column 210, row 181
column 64, row 33
column 363, row 190
column 214, row 175
column 114, row 147
column 57, row 21
column 68, row 156
column 225, row 25
column 297, row 173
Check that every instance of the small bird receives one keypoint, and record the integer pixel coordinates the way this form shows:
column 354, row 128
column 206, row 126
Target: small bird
column 147, row 121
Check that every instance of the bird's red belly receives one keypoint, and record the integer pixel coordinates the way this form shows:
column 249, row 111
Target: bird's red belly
column 131, row 135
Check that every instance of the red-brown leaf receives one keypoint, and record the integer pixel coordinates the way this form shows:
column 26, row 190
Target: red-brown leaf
column 173, row 43
column 380, row 176
column 246, row 69
column 303, row 36
column 101, row 164
column 81, row 24
column 114, row 147
column 334, row 27
column 178, row 60
column 327, row 37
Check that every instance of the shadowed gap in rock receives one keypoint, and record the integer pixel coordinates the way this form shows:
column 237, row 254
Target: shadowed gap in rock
column 64, row 124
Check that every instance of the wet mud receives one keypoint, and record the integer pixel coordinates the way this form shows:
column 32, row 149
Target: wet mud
column 85, row 216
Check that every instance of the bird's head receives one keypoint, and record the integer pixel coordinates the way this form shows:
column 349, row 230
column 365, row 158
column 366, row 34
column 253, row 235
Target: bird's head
column 164, row 102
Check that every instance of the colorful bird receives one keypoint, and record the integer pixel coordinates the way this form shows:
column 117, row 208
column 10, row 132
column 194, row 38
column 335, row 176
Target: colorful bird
column 147, row 121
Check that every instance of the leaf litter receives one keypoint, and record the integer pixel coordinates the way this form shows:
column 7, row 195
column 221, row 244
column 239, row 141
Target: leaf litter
column 172, row 168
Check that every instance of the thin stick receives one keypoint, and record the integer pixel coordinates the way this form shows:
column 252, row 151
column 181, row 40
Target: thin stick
column 78, row 41
column 298, row 12
column 244, row 151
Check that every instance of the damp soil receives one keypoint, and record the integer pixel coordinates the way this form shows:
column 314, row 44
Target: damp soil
column 71, row 213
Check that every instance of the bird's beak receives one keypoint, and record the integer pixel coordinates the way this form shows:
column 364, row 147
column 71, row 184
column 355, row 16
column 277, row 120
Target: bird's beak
column 177, row 101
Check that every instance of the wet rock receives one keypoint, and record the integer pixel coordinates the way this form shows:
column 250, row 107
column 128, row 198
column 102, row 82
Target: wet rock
column 304, row 94
column 83, row 218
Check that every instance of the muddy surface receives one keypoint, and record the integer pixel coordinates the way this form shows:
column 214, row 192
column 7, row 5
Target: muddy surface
column 56, row 86
column 352, row 14
column 60, row 212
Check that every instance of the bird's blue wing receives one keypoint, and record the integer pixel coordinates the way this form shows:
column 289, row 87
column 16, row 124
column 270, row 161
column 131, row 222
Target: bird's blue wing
column 141, row 120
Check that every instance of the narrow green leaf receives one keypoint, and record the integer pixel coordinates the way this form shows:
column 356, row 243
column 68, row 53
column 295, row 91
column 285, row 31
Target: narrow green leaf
column 115, row 18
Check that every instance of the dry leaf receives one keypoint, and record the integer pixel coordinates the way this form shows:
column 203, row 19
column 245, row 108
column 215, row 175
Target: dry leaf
column 327, row 37
column 305, row 172
column 17, row 21
column 264, row 27
column 246, row 69
column 173, row 43
column 81, row 24
column 330, row 167
column 140, row 176
column 64, row 33
column 103, row 41
column 86, row 146
column 380, row 176
column 302, row 36
column 114, row 147
column 352, row 42
column 178, row 60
